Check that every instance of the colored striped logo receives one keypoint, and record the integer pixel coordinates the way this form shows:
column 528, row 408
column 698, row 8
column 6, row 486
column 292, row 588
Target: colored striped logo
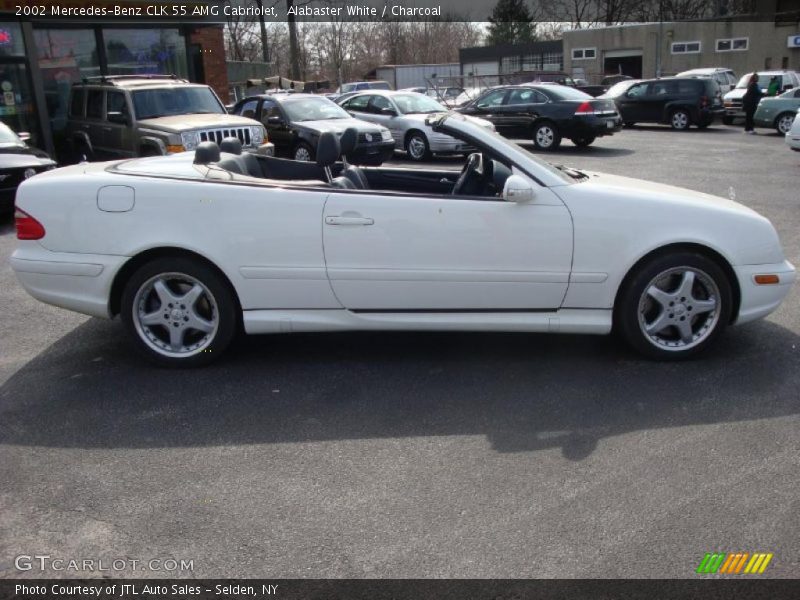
column 734, row 563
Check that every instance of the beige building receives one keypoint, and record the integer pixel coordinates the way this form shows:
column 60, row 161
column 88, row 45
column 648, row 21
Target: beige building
column 639, row 50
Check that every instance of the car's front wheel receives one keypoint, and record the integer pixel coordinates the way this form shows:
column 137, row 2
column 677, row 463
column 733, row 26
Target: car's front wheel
column 674, row 306
column 179, row 312
column 546, row 136
column 680, row 120
column 417, row 146
column 783, row 124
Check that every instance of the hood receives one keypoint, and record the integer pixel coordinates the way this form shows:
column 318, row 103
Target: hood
column 23, row 157
column 338, row 125
column 663, row 193
column 735, row 94
column 179, row 123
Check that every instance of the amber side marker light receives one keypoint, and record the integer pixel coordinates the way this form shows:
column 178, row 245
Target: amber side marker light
column 767, row 279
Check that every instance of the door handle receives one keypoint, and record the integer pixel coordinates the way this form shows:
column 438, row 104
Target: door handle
column 339, row 220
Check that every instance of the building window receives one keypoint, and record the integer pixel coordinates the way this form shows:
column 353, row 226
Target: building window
column 584, row 53
column 532, row 62
column 685, row 47
column 552, row 61
column 733, row 44
column 145, row 51
column 510, row 64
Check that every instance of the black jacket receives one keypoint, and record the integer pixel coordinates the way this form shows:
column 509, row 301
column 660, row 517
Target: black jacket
column 751, row 97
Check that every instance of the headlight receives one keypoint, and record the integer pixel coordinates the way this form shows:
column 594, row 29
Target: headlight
column 190, row 139
column 257, row 135
column 386, row 135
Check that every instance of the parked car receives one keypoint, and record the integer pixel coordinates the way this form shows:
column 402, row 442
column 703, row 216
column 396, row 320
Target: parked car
column 405, row 114
column 793, row 137
column 598, row 90
column 357, row 86
column 546, row 114
column 726, row 78
column 446, row 95
column 678, row 101
column 124, row 116
column 294, row 123
column 18, row 162
column 536, row 77
column 509, row 243
column 778, row 112
column 787, row 80
column 468, row 95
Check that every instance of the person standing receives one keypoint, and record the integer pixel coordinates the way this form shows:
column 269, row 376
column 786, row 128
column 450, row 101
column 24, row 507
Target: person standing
column 774, row 86
column 750, row 102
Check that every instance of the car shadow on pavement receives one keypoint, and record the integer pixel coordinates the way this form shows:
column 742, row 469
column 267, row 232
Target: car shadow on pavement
column 568, row 148
column 524, row 392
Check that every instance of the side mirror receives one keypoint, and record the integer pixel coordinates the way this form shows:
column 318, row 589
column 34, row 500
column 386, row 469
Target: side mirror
column 388, row 110
column 518, row 189
column 24, row 136
column 118, row 118
column 787, row 87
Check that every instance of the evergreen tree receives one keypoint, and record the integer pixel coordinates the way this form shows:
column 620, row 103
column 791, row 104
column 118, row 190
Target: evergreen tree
column 511, row 22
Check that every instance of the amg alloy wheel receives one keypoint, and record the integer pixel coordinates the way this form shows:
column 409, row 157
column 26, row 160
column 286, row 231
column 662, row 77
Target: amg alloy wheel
column 417, row 147
column 675, row 306
column 303, row 152
column 179, row 312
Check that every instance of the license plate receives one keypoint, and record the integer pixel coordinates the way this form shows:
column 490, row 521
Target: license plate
column 610, row 124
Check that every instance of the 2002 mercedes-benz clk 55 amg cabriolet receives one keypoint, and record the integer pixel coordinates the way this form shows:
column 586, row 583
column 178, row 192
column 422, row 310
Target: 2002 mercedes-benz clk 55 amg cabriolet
column 189, row 248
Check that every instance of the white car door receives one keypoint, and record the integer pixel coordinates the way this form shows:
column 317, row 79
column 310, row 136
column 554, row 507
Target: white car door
column 388, row 251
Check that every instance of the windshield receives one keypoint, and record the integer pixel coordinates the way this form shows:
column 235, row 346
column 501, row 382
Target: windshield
column 167, row 102
column 417, row 103
column 313, row 109
column 347, row 87
column 7, row 136
column 618, row 89
column 763, row 81
column 379, row 85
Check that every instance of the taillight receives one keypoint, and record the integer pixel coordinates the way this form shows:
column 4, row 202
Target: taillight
column 584, row 109
column 28, row 228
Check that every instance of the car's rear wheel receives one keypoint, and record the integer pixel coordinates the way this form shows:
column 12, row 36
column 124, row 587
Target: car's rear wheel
column 546, row 136
column 783, row 124
column 179, row 312
column 303, row 151
column 680, row 120
column 674, row 306
column 417, row 146
column 726, row 120
column 584, row 141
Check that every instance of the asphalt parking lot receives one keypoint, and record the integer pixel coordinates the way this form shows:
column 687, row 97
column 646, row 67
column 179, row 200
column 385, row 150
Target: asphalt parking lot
column 417, row 455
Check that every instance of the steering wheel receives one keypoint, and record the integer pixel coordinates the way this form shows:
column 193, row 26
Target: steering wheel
column 470, row 169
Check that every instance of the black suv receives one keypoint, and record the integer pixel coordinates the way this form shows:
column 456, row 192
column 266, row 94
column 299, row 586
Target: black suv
column 678, row 101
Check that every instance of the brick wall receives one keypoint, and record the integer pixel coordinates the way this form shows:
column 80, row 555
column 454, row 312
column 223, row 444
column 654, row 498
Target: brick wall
column 212, row 42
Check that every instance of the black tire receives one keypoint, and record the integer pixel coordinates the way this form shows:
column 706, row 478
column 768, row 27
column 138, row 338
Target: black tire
column 583, row 142
column 726, row 120
column 634, row 307
column 778, row 123
column 302, row 147
column 221, row 310
column 148, row 151
column 82, row 152
column 546, row 136
column 417, row 147
column 680, row 119
column 630, row 124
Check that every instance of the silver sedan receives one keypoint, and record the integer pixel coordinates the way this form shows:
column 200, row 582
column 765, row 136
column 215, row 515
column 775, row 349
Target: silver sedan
column 404, row 114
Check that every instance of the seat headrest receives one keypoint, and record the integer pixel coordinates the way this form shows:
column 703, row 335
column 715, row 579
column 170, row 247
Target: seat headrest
column 206, row 152
column 348, row 140
column 231, row 145
column 328, row 149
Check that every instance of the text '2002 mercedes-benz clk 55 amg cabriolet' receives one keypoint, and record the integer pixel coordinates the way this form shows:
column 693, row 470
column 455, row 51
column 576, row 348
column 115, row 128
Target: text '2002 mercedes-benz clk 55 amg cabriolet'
column 188, row 249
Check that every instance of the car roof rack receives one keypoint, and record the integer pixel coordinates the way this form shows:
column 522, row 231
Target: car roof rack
column 114, row 78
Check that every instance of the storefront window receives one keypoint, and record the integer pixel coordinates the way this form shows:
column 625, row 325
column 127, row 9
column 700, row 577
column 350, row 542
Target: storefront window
column 65, row 57
column 16, row 100
column 142, row 51
column 11, row 43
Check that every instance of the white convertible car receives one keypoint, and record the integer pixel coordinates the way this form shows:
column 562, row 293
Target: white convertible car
column 189, row 248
